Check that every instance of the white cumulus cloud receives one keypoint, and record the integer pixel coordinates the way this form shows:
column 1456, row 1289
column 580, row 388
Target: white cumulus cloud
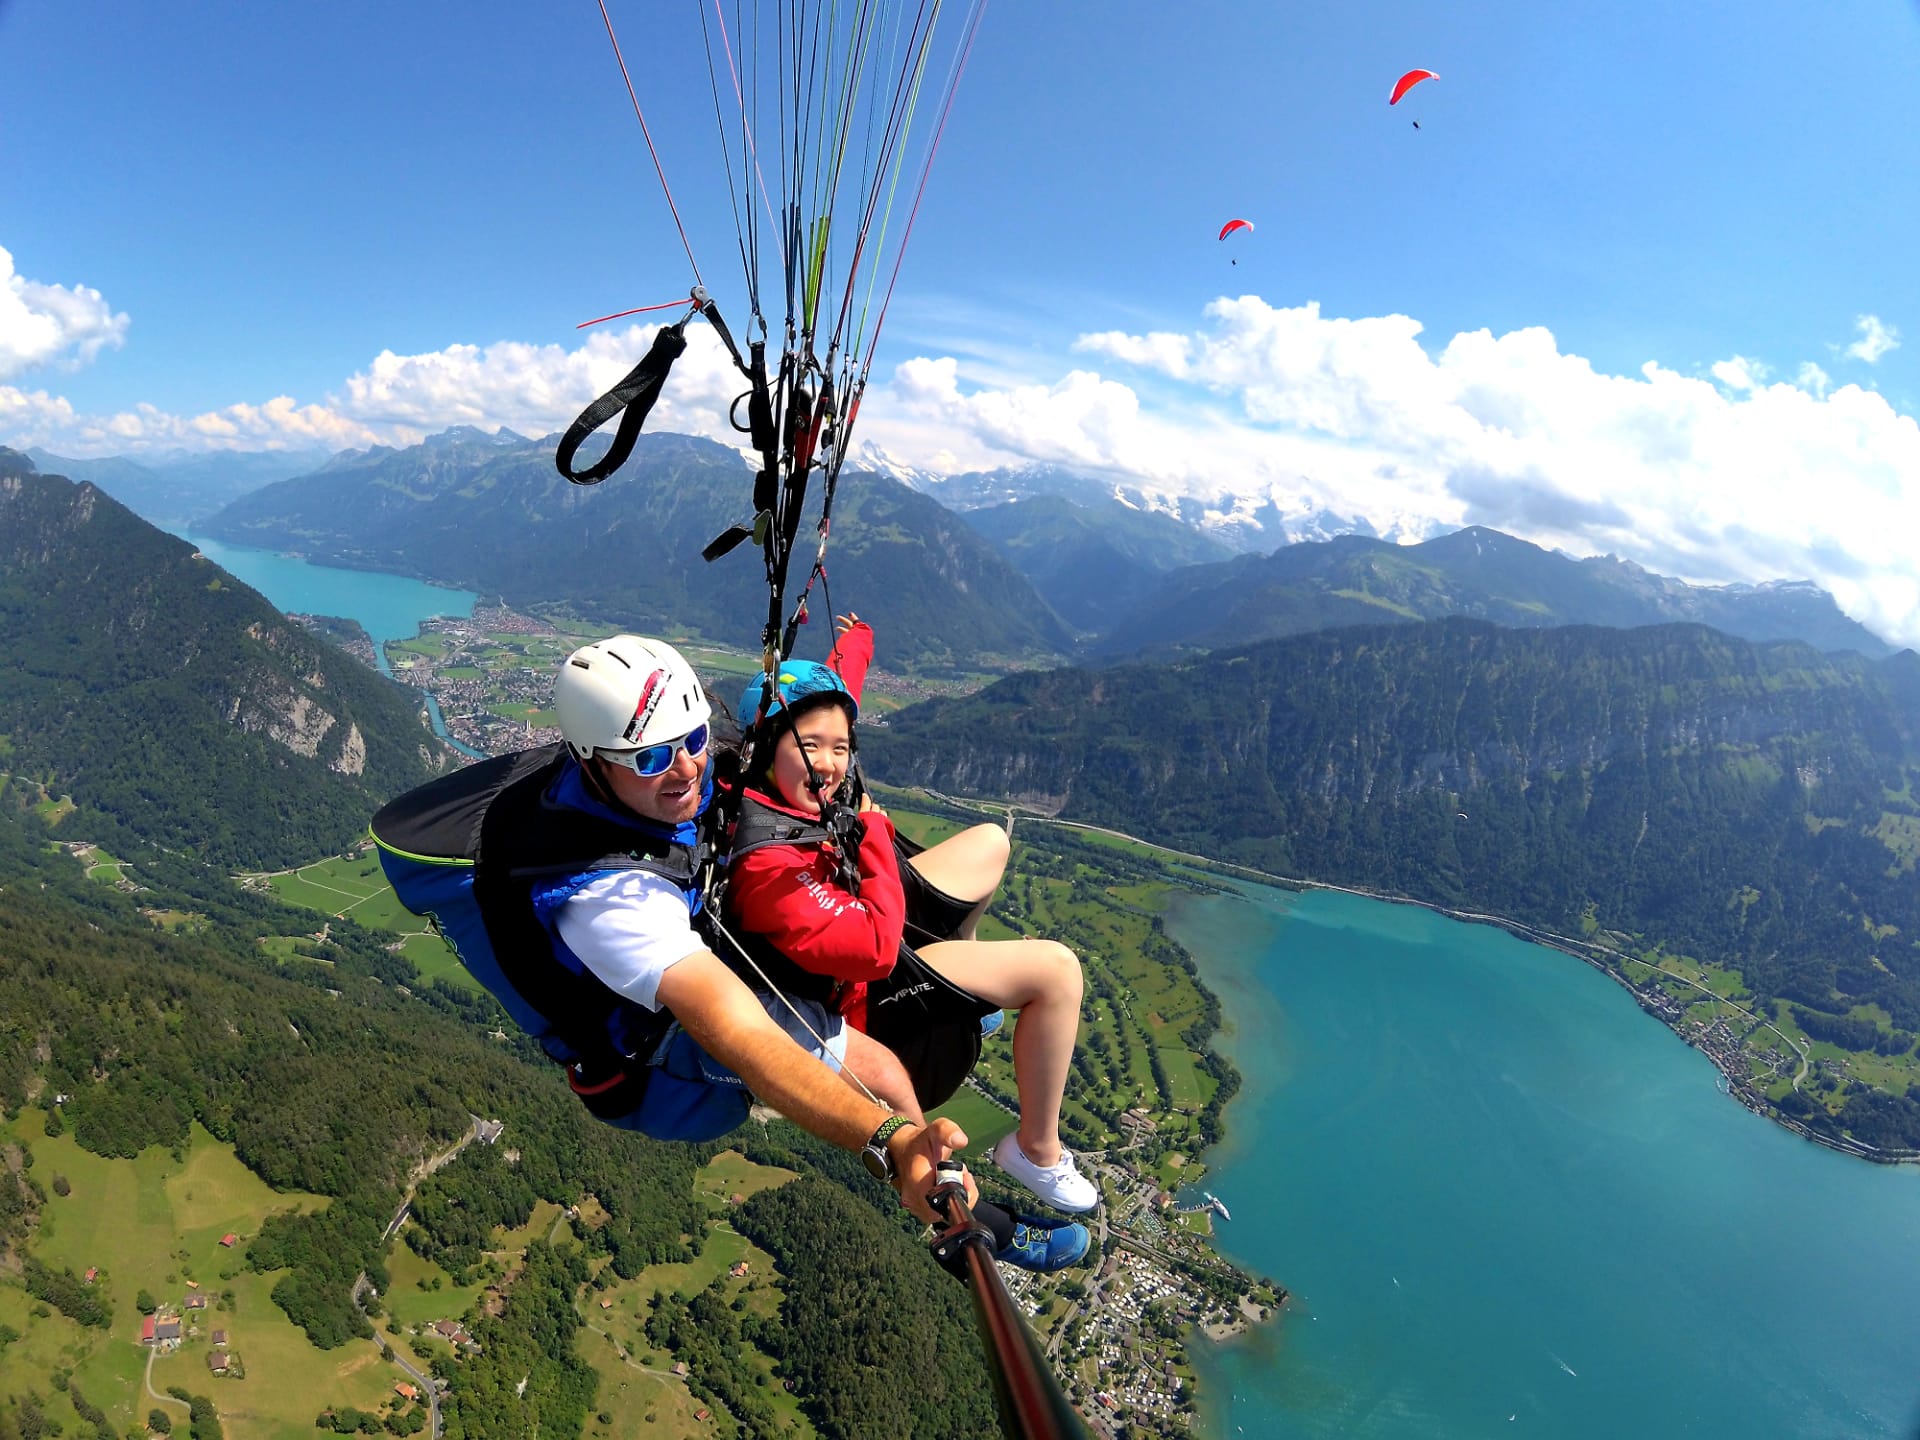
column 44, row 324
column 1876, row 339
column 1730, row 477
column 1727, row 475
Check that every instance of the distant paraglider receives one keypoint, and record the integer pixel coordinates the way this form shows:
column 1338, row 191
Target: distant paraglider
column 1233, row 225
column 1406, row 82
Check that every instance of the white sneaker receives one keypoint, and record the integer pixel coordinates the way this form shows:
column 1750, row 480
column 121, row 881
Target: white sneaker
column 1059, row 1185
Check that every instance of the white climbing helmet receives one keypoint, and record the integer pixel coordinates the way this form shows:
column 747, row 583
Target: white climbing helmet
column 625, row 693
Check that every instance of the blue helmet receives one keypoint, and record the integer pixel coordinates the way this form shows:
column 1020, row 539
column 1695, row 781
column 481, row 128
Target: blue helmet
column 796, row 682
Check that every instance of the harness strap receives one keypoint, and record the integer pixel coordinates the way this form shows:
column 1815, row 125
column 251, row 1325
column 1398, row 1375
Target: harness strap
column 635, row 395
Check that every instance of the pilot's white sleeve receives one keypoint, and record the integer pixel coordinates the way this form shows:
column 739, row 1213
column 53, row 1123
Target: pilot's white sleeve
column 630, row 928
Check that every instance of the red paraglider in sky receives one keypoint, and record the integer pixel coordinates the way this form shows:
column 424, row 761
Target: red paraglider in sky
column 1407, row 81
column 1233, row 225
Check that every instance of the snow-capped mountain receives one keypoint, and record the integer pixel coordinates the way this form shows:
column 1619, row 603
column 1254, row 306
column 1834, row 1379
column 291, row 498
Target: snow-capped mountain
column 1249, row 522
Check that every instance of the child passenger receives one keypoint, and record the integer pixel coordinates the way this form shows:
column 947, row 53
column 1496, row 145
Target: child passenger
column 794, row 897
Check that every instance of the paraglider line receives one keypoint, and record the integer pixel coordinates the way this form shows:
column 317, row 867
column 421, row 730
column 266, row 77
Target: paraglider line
column 622, row 314
column 740, row 98
column 873, row 344
column 665, row 188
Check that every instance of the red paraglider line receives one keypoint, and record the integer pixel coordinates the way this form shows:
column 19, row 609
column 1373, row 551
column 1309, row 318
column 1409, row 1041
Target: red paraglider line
column 1407, row 81
column 622, row 314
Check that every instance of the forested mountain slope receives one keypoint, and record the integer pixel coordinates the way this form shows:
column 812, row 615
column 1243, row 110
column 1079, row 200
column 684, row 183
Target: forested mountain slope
column 1751, row 805
column 493, row 515
column 170, row 699
column 1476, row 572
column 330, row 1078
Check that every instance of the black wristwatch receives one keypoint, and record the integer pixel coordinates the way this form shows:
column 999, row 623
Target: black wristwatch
column 876, row 1157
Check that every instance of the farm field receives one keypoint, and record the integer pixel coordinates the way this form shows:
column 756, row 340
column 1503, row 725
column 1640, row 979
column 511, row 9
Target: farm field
column 154, row 1223
column 354, row 885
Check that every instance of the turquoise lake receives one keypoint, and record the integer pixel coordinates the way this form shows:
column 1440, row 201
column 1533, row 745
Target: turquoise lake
column 390, row 607
column 1508, row 1203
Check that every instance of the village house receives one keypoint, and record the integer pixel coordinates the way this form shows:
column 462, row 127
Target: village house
column 92, row 1271
column 220, row 1339
column 196, row 1302
column 680, row 1368
column 406, row 1391
column 737, row 1269
column 146, row 1331
column 446, row 1329
column 229, row 1239
column 217, row 1361
column 166, row 1330
column 702, row 1413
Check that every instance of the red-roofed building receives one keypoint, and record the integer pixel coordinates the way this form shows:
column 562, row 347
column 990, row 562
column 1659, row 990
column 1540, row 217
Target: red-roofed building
column 92, row 1270
column 146, row 1331
column 702, row 1414
column 406, row 1391
column 229, row 1239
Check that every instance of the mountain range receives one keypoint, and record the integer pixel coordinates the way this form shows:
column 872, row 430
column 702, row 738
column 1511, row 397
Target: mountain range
column 1357, row 580
column 1232, row 517
column 1025, row 575
column 176, row 488
column 491, row 514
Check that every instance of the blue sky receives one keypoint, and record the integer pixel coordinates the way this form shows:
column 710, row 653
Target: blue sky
column 256, row 226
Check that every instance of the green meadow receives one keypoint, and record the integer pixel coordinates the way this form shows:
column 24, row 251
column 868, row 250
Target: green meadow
column 354, row 885
column 154, row 1223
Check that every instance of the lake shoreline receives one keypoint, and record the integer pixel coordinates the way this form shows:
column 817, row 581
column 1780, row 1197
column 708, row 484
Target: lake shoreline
column 1591, row 952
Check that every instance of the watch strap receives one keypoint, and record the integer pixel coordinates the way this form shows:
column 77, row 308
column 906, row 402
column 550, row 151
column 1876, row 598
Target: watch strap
column 888, row 1128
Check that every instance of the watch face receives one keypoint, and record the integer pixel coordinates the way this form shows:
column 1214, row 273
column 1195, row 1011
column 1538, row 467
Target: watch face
column 876, row 1161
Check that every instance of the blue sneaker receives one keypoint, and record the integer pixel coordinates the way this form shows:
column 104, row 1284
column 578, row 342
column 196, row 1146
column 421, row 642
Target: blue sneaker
column 1038, row 1245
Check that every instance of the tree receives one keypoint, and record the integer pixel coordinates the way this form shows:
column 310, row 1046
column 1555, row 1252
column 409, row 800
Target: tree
column 145, row 1303
column 159, row 1421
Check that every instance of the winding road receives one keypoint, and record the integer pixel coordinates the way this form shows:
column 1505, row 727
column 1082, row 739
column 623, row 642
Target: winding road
column 361, row 1285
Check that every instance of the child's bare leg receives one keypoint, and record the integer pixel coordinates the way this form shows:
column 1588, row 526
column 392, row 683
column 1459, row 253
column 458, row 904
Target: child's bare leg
column 1041, row 980
column 873, row 1065
column 967, row 866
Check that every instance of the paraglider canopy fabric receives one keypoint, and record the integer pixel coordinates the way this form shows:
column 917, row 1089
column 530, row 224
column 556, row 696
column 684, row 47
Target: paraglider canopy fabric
column 1407, row 81
column 1233, row 225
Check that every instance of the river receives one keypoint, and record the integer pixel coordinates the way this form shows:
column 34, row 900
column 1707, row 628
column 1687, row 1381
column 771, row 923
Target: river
column 1509, row 1203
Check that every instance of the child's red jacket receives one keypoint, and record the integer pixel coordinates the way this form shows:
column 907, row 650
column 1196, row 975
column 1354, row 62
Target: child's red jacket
column 788, row 894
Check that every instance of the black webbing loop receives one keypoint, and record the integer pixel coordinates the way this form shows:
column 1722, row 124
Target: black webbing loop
column 725, row 541
column 635, row 396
